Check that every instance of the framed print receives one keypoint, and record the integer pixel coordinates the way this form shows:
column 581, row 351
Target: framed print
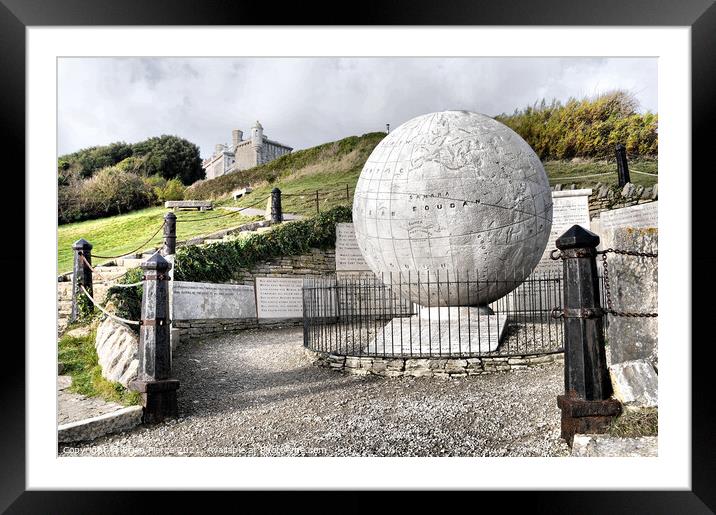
column 283, row 264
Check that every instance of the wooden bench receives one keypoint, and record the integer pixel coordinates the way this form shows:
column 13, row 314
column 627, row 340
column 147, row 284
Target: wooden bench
column 201, row 205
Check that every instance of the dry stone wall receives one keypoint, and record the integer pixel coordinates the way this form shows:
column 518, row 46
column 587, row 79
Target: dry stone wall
column 447, row 368
column 316, row 262
column 605, row 197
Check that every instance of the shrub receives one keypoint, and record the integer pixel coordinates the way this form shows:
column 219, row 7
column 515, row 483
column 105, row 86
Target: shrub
column 174, row 190
column 218, row 262
column 590, row 127
column 157, row 185
column 167, row 156
column 113, row 191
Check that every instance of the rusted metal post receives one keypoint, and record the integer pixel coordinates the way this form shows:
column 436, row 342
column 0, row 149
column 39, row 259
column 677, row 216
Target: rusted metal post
column 318, row 206
column 276, row 210
column 170, row 234
column 348, row 193
column 586, row 405
column 154, row 380
column 622, row 165
column 81, row 274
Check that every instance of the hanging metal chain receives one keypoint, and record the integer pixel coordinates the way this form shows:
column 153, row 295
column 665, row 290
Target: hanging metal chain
column 628, row 253
column 609, row 308
column 559, row 312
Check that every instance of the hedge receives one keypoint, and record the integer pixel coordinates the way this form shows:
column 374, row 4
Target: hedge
column 218, row 262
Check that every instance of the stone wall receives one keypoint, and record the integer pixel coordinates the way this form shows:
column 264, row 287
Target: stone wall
column 64, row 299
column 270, row 151
column 634, row 288
column 188, row 329
column 448, row 368
column 316, row 262
column 605, row 196
column 245, row 156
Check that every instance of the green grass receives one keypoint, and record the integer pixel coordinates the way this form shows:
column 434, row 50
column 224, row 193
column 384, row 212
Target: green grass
column 571, row 172
column 123, row 233
column 298, row 193
column 79, row 357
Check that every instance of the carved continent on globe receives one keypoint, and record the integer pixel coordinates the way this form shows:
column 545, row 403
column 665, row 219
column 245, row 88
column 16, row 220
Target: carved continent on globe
column 455, row 194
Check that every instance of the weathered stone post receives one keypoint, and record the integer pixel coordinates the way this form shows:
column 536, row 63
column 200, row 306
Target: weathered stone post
column 154, row 380
column 622, row 165
column 586, row 405
column 170, row 234
column 81, row 274
column 276, row 211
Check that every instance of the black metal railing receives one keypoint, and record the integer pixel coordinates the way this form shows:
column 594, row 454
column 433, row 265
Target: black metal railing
column 411, row 315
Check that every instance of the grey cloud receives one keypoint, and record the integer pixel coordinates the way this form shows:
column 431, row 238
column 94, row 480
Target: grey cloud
column 307, row 101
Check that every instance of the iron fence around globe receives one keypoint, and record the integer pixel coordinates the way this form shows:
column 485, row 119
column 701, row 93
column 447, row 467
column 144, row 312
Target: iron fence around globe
column 369, row 316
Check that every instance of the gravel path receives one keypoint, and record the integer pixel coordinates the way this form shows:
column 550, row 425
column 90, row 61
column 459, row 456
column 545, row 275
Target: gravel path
column 255, row 393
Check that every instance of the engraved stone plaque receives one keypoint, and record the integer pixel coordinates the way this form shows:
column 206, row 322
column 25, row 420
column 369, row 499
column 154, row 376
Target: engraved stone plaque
column 641, row 215
column 569, row 207
column 348, row 254
column 192, row 301
column 279, row 297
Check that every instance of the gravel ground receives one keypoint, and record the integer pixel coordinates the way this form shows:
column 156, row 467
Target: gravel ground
column 255, row 393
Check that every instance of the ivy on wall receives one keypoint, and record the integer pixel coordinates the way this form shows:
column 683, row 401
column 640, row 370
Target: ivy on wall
column 219, row 262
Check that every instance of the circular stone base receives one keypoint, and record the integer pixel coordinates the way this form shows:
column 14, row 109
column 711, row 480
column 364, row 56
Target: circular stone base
column 429, row 367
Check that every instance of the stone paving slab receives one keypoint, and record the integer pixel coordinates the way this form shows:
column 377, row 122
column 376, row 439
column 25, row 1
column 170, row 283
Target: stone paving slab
column 612, row 446
column 73, row 406
column 88, row 429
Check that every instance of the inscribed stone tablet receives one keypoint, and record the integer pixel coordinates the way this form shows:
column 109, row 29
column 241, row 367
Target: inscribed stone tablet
column 279, row 297
column 641, row 215
column 569, row 207
column 194, row 301
column 348, row 254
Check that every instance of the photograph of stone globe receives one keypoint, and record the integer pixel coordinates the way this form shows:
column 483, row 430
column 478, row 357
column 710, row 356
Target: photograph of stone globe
column 357, row 257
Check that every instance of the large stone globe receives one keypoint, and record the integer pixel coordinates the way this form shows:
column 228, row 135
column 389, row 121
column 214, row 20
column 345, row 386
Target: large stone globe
column 453, row 196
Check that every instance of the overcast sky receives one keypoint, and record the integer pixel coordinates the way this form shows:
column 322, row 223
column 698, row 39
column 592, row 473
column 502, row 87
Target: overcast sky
column 303, row 102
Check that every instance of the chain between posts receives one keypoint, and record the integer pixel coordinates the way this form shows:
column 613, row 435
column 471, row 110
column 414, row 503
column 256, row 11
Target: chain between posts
column 110, row 315
column 135, row 250
column 562, row 313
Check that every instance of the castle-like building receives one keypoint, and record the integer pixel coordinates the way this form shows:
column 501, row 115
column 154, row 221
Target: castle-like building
column 243, row 153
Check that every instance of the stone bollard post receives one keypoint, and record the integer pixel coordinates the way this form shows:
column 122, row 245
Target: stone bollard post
column 586, row 405
column 276, row 211
column 170, row 234
column 154, row 380
column 622, row 166
column 81, row 275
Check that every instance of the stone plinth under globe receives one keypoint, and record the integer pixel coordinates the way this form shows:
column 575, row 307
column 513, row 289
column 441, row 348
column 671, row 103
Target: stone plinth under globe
column 453, row 195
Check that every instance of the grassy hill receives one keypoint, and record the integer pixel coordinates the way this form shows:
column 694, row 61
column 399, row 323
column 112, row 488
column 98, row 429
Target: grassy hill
column 331, row 169
column 123, row 233
column 336, row 161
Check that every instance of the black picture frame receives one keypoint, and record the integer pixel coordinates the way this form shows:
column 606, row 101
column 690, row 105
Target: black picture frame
column 699, row 15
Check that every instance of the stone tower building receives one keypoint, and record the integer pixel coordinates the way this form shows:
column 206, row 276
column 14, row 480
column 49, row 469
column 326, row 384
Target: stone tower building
column 243, row 153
